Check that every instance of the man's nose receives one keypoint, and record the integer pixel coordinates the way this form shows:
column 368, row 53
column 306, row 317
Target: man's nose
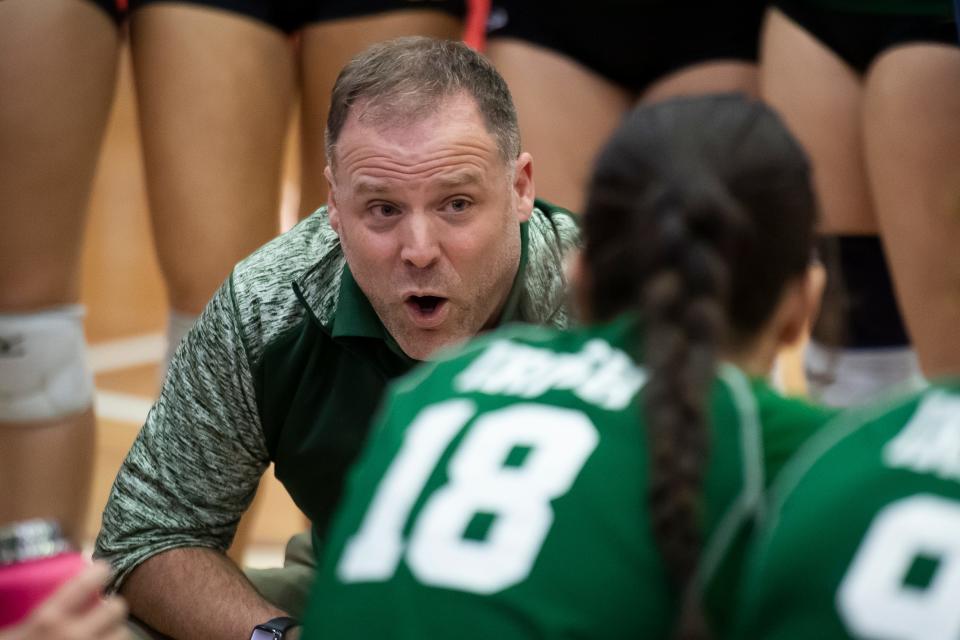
column 420, row 246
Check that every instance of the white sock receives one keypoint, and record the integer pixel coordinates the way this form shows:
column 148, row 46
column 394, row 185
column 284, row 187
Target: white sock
column 849, row 377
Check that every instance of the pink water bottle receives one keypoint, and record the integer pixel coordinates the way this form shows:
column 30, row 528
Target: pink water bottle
column 35, row 559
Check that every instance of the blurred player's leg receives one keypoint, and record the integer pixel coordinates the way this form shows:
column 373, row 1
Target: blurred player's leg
column 325, row 48
column 912, row 125
column 57, row 73
column 214, row 94
column 821, row 98
column 583, row 110
column 707, row 77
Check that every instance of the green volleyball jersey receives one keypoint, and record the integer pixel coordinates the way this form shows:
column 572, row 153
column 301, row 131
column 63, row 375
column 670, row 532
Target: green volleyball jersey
column 503, row 495
column 862, row 539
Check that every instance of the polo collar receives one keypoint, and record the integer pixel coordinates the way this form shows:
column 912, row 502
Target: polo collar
column 511, row 309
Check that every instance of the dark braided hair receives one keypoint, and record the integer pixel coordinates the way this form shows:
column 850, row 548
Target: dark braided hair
column 700, row 211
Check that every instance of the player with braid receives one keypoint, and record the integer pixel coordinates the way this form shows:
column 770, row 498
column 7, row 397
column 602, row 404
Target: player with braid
column 589, row 482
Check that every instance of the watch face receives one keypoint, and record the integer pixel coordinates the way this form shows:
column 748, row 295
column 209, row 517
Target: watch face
column 264, row 634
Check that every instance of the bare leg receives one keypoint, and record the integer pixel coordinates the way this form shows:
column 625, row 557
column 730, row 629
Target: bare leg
column 820, row 98
column 214, row 92
column 325, row 49
column 214, row 97
column 912, row 123
column 720, row 76
column 563, row 134
column 56, row 101
column 46, row 471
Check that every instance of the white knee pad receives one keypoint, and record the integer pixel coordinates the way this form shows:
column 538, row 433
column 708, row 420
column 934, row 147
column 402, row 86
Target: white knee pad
column 43, row 366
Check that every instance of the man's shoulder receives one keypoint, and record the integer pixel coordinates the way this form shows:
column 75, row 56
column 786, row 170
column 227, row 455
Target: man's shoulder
column 552, row 233
column 285, row 259
column 552, row 224
column 262, row 285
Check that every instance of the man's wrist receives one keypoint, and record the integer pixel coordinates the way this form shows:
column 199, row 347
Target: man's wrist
column 281, row 628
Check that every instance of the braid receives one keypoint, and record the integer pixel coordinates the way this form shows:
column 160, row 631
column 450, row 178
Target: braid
column 700, row 211
column 683, row 306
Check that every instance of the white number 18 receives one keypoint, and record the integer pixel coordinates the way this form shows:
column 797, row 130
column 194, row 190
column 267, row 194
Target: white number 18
column 559, row 441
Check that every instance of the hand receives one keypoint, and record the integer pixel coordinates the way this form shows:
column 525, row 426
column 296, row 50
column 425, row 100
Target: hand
column 76, row 611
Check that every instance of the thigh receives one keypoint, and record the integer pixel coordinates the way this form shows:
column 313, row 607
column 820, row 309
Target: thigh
column 214, row 95
column 912, row 129
column 325, row 48
column 288, row 587
column 820, row 98
column 58, row 59
column 719, row 76
column 566, row 113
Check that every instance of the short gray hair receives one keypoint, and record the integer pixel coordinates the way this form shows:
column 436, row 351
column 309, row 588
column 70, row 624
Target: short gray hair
column 407, row 78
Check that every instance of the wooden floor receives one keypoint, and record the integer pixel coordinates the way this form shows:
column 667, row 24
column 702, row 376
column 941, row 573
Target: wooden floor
column 126, row 320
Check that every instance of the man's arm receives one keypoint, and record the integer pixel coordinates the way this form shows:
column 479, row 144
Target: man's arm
column 196, row 593
column 190, row 475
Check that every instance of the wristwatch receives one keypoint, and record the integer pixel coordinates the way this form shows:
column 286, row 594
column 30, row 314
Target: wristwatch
column 275, row 629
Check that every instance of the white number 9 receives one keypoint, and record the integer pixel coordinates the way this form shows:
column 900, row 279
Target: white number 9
column 873, row 600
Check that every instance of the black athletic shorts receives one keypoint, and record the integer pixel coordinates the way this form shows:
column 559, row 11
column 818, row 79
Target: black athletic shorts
column 858, row 38
column 292, row 15
column 116, row 9
column 634, row 42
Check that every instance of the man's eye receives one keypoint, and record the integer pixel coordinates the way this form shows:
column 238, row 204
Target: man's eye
column 384, row 210
column 458, row 205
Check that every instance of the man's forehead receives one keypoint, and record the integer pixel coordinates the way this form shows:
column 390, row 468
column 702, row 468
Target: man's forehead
column 450, row 145
column 453, row 117
column 459, row 177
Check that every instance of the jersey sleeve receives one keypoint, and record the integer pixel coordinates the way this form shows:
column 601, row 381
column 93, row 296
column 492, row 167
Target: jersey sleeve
column 196, row 463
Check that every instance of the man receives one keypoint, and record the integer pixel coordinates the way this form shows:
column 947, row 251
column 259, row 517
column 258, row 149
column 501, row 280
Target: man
column 431, row 235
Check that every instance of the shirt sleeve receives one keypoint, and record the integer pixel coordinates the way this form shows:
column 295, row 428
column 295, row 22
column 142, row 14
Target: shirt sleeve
column 196, row 463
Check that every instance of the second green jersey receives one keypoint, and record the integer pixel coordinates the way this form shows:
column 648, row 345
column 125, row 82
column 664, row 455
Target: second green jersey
column 862, row 539
column 503, row 494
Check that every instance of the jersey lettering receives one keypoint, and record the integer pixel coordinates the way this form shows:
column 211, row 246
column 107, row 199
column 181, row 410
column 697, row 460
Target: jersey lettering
column 598, row 374
column 930, row 442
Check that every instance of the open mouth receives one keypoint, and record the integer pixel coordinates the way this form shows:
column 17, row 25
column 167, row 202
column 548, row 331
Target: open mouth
column 426, row 311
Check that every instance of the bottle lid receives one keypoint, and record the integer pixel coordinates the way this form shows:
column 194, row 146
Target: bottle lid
column 31, row 540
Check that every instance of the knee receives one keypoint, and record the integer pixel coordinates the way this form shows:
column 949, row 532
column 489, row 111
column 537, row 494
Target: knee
column 43, row 366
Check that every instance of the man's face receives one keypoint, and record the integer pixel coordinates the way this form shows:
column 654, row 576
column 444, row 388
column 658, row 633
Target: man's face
column 429, row 218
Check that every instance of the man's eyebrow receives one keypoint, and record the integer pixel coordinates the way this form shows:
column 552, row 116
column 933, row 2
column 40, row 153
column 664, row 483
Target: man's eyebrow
column 459, row 179
column 370, row 187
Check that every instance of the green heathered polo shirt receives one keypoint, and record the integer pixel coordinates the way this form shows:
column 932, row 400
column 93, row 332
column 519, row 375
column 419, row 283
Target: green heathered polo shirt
column 287, row 364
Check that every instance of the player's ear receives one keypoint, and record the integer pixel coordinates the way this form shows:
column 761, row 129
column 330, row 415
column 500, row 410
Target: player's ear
column 332, row 210
column 800, row 303
column 523, row 187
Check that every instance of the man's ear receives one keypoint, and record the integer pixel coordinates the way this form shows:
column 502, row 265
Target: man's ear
column 332, row 210
column 523, row 187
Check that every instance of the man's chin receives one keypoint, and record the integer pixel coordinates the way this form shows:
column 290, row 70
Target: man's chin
column 424, row 345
